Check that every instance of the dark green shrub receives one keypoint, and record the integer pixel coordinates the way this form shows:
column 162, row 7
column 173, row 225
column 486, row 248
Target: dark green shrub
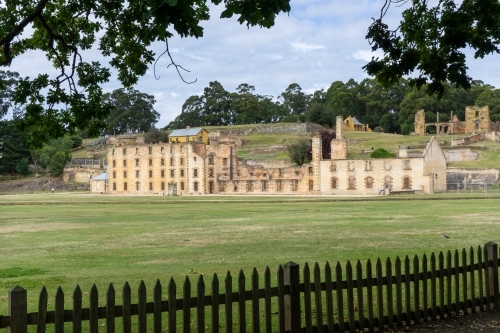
column 381, row 153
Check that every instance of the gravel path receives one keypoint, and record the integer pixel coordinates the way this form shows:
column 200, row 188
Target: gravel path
column 472, row 323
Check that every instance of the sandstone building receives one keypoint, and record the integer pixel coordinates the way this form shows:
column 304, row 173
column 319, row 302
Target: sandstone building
column 477, row 120
column 352, row 124
column 195, row 167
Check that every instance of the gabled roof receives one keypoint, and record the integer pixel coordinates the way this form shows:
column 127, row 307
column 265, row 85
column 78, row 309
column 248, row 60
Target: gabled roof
column 186, row 132
column 356, row 122
column 102, row 176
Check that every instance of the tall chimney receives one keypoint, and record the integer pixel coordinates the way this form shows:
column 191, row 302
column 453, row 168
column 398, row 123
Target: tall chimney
column 338, row 128
column 188, row 127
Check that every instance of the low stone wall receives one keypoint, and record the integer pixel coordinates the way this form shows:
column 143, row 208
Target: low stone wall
column 493, row 136
column 467, row 140
column 80, row 174
column 30, row 185
column 269, row 164
column 460, row 155
column 270, row 128
column 471, row 176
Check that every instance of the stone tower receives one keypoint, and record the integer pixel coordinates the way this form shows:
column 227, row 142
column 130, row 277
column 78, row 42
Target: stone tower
column 339, row 144
column 477, row 119
column 420, row 122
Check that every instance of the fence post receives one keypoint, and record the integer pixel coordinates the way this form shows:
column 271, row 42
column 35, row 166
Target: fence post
column 18, row 310
column 492, row 287
column 292, row 300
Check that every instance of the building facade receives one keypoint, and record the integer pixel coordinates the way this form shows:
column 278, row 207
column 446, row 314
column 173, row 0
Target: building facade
column 195, row 168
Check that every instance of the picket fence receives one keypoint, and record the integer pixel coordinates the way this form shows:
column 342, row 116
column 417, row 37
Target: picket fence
column 407, row 293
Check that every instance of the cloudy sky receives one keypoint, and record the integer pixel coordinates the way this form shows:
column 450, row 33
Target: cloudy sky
column 319, row 42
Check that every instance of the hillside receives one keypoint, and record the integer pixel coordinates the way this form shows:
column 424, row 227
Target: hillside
column 268, row 142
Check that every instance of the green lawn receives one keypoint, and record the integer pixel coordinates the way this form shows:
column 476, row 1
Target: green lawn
column 50, row 240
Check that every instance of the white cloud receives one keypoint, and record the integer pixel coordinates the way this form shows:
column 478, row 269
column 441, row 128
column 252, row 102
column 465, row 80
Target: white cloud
column 303, row 47
column 366, row 55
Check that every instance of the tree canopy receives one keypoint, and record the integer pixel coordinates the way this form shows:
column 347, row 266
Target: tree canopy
column 430, row 41
column 123, row 32
column 132, row 111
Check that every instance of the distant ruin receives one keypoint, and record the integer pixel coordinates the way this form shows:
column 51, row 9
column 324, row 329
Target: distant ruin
column 477, row 120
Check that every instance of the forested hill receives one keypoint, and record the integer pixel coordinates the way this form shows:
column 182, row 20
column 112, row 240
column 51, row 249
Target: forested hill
column 384, row 109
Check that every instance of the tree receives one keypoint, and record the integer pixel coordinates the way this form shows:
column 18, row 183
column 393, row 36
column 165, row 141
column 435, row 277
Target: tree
column 54, row 155
column 320, row 113
column 430, row 40
column 217, row 109
column 491, row 98
column 155, row 135
column 13, row 146
column 294, row 100
column 9, row 80
column 23, row 166
column 297, row 151
column 132, row 111
column 123, row 30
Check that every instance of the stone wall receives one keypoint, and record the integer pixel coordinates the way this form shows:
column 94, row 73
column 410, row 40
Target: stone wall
column 457, row 177
column 460, row 155
column 467, row 140
column 492, row 136
column 270, row 128
column 81, row 174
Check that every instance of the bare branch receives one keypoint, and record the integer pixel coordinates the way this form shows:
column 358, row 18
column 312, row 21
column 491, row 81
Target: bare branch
column 172, row 64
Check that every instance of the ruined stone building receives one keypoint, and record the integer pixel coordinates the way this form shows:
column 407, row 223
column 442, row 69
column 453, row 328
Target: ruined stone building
column 477, row 120
column 196, row 167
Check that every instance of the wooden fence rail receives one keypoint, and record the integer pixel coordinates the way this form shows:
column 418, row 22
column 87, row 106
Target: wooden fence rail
column 408, row 292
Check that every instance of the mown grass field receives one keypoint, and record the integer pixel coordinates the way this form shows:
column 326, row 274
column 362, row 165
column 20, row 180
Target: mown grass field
column 67, row 239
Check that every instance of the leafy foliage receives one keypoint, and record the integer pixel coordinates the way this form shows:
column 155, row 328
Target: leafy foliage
column 124, row 30
column 154, row 135
column 8, row 82
column 381, row 153
column 13, row 146
column 430, row 41
column 297, row 152
column 132, row 111
column 23, row 166
column 54, row 155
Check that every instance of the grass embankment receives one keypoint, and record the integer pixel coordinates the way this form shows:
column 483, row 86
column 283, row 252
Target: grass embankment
column 67, row 244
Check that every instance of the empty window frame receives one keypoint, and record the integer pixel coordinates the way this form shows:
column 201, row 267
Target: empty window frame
column 351, row 183
column 334, row 182
column 369, row 182
column 406, row 183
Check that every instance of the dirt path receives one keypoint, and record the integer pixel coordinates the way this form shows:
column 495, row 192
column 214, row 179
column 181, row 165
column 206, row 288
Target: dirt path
column 477, row 322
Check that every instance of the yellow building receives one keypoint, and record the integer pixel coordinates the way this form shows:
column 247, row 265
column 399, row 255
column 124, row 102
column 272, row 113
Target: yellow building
column 352, row 124
column 189, row 134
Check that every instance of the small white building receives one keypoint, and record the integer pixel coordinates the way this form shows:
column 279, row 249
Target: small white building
column 99, row 183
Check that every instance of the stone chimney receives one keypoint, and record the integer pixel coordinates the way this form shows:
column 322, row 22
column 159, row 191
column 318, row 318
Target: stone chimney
column 188, row 127
column 338, row 128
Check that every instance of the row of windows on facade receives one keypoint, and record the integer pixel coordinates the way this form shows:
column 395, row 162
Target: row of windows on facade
column 151, row 187
column 369, row 182
column 249, row 186
column 150, row 150
column 162, row 162
column 162, row 173
column 368, row 166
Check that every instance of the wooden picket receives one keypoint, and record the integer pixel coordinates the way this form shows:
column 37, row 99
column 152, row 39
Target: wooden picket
column 434, row 287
